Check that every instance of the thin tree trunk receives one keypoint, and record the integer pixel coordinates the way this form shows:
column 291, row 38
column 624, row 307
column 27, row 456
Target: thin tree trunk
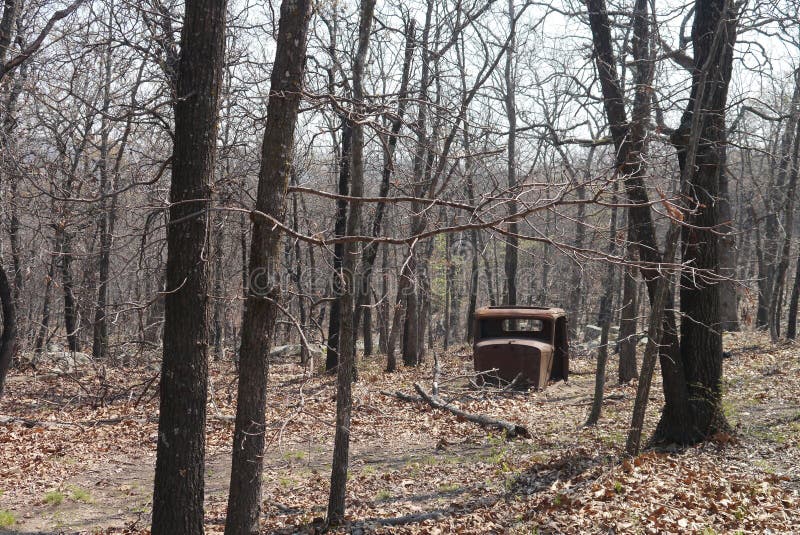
column 791, row 322
column 100, row 326
column 512, row 242
column 8, row 339
column 341, row 447
column 68, row 287
column 790, row 166
column 370, row 251
column 606, row 307
column 334, row 319
column 44, row 327
column 627, row 326
column 654, row 335
column 261, row 305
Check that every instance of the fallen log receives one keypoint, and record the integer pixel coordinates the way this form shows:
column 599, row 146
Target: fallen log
column 511, row 430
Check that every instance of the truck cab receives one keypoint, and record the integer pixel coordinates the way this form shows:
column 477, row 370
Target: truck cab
column 527, row 340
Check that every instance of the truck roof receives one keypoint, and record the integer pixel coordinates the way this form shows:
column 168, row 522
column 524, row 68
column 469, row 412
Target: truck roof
column 520, row 311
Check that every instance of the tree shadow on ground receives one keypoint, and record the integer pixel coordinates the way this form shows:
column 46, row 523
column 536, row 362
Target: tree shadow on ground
column 541, row 476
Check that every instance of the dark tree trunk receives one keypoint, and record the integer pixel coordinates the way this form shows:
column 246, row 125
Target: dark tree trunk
column 627, row 326
column 473, row 284
column 631, row 147
column 8, row 339
column 383, row 307
column 68, row 287
column 100, row 326
column 411, row 334
column 770, row 252
column 217, row 237
column 370, row 251
column 332, row 353
column 258, row 321
column 701, row 146
column 655, row 328
column 790, row 169
column 351, row 279
column 487, row 267
column 791, row 322
column 298, row 275
column 449, row 275
column 367, row 330
column 180, row 459
column 512, row 242
column 44, row 327
column 606, row 308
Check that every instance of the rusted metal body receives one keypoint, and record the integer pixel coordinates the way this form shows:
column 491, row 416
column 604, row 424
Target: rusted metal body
column 526, row 340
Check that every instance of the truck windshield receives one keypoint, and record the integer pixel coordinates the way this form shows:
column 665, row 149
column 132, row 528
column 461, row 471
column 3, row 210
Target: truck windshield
column 521, row 327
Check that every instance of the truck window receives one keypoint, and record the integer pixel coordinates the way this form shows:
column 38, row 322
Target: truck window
column 523, row 325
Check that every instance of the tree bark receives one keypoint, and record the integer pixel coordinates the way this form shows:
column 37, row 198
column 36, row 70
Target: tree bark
column 606, row 307
column 258, row 320
column 44, row 327
column 701, row 146
column 68, row 287
column 512, row 242
column 791, row 322
column 8, row 339
column 180, row 458
column 344, row 384
column 100, row 326
column 654, row 334
column 630, row 145
column 627, row 326
column 334, row 329
column 370, row 252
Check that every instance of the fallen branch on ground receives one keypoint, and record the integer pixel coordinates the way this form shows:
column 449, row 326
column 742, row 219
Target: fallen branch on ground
column 512, row 430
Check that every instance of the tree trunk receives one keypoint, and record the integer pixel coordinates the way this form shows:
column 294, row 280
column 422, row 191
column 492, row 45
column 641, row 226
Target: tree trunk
column 627, row 326
column 260, row 312
column 606, row 307
column 217, row 237
column 770, row 253
column 654, row 335
column 411, row 334
column 631, row 147
column 344, row 380
column 512, row 242
column 8, row 339
column 701, row 146
column 100, row 326
column 68, row 287
column 370, row 251
column 334, row 330
column 791, row 322
column 789, row 168
column 44, row 327
column 180, row 458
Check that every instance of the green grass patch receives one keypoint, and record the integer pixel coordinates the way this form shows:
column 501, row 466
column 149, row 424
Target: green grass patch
column 294, row 455
column 53, row 497
column 7, row 519
column 449, row 487
column 383, row 495
column 369, row 470
column 80, row 495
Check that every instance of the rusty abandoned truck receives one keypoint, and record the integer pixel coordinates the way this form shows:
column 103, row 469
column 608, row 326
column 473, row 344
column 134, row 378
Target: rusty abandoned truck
column 526, row 341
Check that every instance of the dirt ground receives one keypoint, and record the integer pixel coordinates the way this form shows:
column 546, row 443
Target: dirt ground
column 77, row 453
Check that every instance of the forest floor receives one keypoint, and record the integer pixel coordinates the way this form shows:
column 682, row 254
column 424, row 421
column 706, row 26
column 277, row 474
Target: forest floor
column 77, row 453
